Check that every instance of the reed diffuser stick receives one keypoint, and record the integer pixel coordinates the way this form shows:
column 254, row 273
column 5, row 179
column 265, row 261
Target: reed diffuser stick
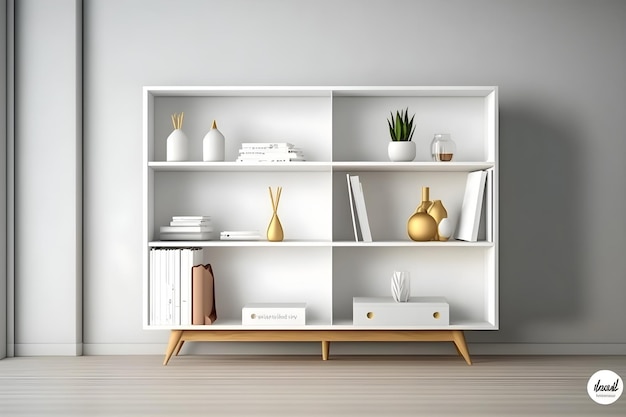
column 177, row 120
column 280, row 190
column 272, row 198
column 275, row 202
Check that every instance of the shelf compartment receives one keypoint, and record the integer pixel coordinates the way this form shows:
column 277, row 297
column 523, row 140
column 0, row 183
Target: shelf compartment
column 391, row 199
column 465, row 276
column 265, row 274
column 360, row 130
column 241, row 201
column 298, row 116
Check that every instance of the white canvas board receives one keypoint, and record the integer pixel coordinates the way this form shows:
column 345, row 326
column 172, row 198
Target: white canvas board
column 469, row 220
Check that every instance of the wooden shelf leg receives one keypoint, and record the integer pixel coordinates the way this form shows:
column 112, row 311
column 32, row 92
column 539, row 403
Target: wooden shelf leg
column 461, row 346
column 325, row 349
column 179, row 346
column 175, row 337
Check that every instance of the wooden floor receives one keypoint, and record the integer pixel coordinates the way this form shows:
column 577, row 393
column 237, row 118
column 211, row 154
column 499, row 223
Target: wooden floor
column 304, row 386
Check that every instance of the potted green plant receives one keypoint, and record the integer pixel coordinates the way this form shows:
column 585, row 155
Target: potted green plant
column 401, row 129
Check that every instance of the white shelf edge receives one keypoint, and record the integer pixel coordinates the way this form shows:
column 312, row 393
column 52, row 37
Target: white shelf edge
column 240, row 166
column 312, row 243
column 347, row 326
column 236, row 243
column 238, row 91
column 323, row 91
column 409, row 244
column 340, row 166
column 411, row 166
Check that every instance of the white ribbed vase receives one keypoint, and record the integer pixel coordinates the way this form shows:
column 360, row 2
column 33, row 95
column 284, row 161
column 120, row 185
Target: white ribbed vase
column 401, row 286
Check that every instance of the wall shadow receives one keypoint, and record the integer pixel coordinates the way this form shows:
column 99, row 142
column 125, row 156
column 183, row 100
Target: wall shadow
column 541, row 279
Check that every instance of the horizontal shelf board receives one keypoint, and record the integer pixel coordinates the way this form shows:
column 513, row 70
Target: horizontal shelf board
column 342, row 325
column 319, row 166
column 311, row 243
column 239, row 91
column 414, row 91
column 409, row 243
column 458, row 325
column 237, row 243
column 412, row 166
column 229, row 324
column 322, row 91
column 240, row 166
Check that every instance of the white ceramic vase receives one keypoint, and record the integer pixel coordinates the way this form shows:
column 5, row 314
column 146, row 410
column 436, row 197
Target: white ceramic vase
column 401, row 151
column 446, row 228
column 177, row 146
column 401, row 286
column 213, row 145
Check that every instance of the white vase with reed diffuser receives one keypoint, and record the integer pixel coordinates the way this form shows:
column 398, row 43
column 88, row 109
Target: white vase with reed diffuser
column 177, row 141
column 213, row 145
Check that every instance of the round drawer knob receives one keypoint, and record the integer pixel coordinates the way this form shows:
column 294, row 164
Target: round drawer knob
column 436, row 314
column 370, row 315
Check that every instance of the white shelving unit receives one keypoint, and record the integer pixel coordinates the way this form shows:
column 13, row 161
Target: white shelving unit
column 341, row 130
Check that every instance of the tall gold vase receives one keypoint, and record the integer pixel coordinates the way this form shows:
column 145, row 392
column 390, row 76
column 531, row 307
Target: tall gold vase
column 421, row 226
column 275, row 229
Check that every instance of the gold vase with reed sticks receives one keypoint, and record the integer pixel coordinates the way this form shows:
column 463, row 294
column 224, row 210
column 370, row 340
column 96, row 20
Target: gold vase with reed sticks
column 275, row 229
column 177, row 147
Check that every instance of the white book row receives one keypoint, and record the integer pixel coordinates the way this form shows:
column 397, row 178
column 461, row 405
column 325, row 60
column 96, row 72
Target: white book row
column 170, row 288
column 266, row 145
column 269, row 152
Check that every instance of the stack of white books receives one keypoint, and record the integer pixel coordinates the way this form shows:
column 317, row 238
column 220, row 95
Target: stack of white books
column 269, row 152
column 188, row 228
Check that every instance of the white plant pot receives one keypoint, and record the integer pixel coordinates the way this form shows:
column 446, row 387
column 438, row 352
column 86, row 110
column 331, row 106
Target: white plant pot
column 177, row 146
column 213, row 145
column 401, row 286
column 401, row 151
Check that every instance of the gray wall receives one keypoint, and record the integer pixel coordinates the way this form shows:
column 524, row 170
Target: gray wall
column 561, row 69
column 3, row 182
column 48, row 196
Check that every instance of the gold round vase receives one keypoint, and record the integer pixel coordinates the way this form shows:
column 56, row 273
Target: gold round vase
column 421, row 226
